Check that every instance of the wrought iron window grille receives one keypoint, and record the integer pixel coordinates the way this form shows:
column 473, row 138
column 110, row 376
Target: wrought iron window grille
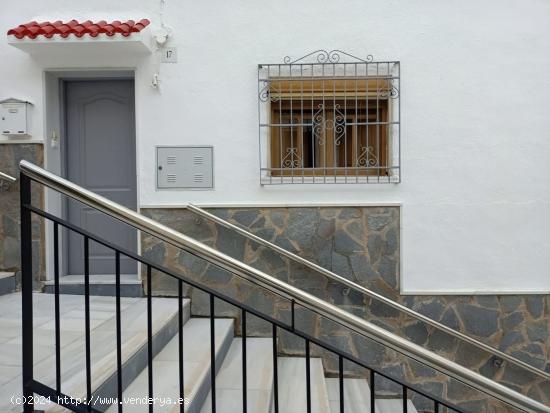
column 329, row 117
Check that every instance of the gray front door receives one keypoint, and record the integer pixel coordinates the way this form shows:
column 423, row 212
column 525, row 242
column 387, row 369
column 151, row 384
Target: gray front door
column 100, row 155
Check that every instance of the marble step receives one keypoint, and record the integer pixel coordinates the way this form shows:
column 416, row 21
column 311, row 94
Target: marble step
column 394, row 406
column 356, row 395
column 259, row 362
column 292, row 385
column 357, row 398
column 196, row 350
column 103, row 341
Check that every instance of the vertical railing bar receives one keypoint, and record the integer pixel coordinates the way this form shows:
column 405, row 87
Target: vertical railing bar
column 357, row 142
column 387, row 134
column 26, row 292
column 118, row 332
column 324, row 126
column 399, row 119
column 377, row 123
column 275, row 371
column 334, row 129
column 308, row 379
column 87, row 320
column 280, row 129
column 267, row 145
column 341, row 381
column 212, row 354
column 291, row 127
column 150, row 337
column 436, row 406
column 372, row 392
column 180, row 345
column 313, row 138
column 270, row 121
column 302, row 119
column 292, row 314
column 56, row 303
column 243, row 333
column 367, row 153
column 405, row 406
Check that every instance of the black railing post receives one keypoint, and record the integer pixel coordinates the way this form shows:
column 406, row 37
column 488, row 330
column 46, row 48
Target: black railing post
column 87, row 322
column 149, row 339
column 275, row 372
column 26, row 292
column 180, row 346
column 341, row 381
column 57, row 310
column 212, row 353
column 243, row 333
column 372, row 392
column 118, row 332
column 292, row 314
column 308, row 379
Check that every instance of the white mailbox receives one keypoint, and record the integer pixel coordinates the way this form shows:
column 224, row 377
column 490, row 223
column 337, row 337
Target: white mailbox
column 15, row 117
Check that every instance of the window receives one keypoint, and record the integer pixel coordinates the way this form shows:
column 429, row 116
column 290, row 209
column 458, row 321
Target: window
column 328, row 121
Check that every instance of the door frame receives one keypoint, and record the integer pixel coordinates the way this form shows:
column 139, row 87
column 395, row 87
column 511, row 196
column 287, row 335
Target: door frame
column 55, row 157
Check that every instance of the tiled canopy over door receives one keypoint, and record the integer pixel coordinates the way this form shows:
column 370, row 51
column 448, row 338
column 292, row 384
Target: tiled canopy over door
column 101, row 156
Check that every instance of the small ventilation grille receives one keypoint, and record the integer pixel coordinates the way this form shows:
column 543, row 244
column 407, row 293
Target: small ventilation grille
column 198, row 159
column 198, row 178
column 171, row 160
column 171, row 178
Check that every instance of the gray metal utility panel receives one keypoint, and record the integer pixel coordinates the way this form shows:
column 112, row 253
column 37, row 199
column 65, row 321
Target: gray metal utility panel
column 185, row 167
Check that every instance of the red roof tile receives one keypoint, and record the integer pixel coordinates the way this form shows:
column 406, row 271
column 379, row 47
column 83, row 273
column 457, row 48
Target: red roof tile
column 49, row 29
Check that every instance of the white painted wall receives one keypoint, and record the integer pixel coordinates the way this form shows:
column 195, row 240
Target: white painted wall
column 475, row 104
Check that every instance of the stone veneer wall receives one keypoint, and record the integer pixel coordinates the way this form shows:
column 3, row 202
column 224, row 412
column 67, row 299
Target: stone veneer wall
column 361, row 244
column 10, row 241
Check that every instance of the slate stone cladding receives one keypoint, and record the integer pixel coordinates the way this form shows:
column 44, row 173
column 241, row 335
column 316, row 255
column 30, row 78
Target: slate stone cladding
column 363, row 245
column 10, row 244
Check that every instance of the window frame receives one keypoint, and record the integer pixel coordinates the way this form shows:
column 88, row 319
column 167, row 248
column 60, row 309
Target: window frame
column 375, row 82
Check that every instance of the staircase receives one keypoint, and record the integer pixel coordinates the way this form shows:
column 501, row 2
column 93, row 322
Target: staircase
column 144, row 354
column 260, row 389
column 325, row 396
column 197, row 383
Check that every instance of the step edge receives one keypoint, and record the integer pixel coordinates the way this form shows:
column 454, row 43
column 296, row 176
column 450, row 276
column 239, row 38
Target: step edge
column 138, row 360
column 203, row 388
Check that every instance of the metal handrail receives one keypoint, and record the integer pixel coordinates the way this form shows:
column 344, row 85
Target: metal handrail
column 354, row 286
column 300, row 297
column 7, row 177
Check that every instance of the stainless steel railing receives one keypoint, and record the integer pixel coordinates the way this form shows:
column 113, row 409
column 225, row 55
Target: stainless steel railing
column 302, row 298
column 6, row 177
column 363, row 290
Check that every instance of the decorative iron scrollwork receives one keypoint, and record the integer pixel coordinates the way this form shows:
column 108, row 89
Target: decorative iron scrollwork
column 392, row 93
column 265, row 93
column 321, row 124
column 367, row 157
column 324, row 56
column 292, row 159
column 338, row 123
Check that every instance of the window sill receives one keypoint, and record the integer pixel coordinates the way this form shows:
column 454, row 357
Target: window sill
column 329, row 179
